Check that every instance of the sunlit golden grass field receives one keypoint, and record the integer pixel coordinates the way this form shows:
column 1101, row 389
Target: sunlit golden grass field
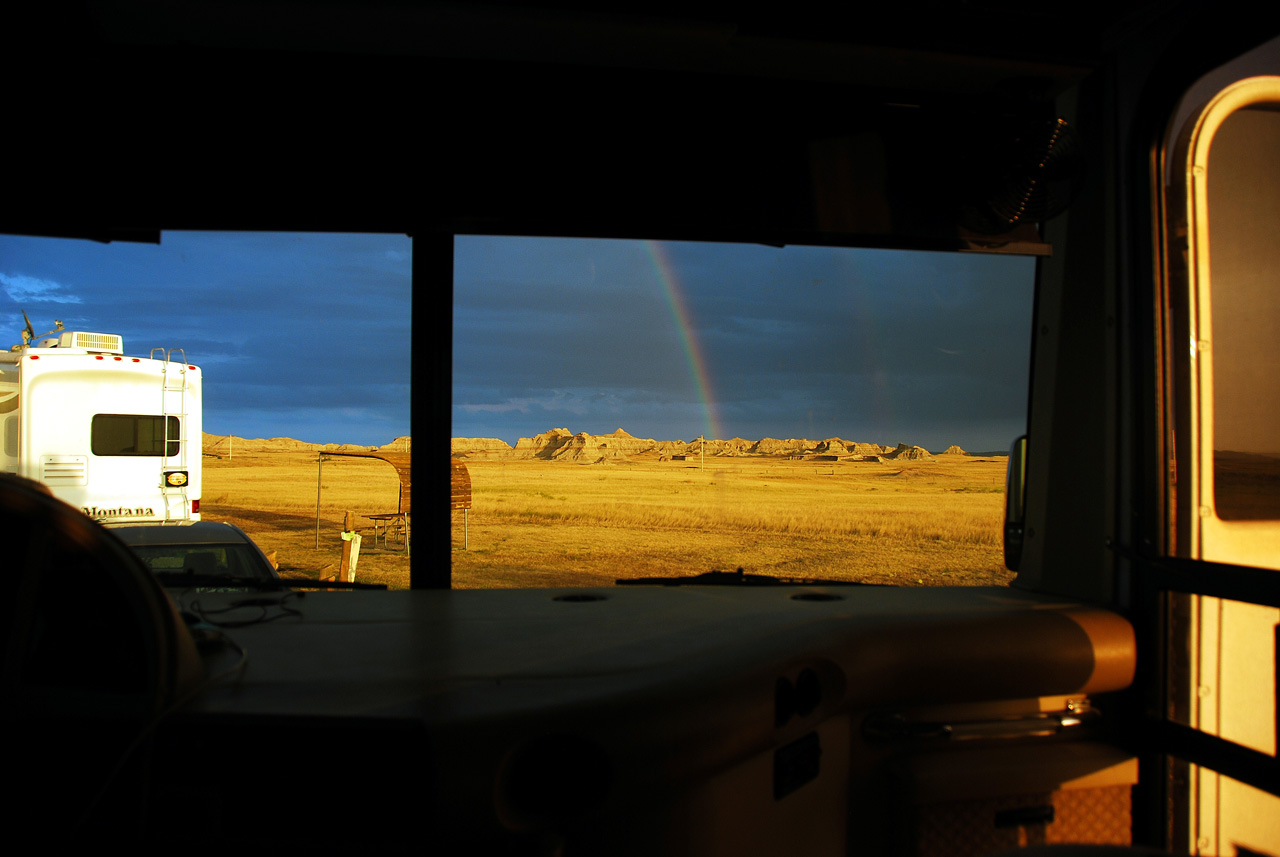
column 539, row 523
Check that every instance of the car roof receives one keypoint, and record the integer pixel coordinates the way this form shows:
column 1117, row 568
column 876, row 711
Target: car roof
column 194, row 533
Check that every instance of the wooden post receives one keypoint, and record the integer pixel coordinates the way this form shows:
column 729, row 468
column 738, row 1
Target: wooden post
column 350, row 549
column 460, row 492
column 319, row 475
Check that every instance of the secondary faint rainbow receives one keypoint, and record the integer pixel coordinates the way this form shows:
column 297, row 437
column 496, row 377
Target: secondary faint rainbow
column 673, row 291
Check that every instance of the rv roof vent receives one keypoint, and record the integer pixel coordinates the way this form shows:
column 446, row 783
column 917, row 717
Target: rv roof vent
column 106, row 343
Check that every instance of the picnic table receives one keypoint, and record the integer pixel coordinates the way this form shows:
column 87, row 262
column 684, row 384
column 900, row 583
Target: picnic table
column 388, row 523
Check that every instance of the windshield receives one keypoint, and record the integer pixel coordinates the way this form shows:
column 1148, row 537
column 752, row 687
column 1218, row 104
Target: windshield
column 621, row 409
column 171, row 562
column 631, row 409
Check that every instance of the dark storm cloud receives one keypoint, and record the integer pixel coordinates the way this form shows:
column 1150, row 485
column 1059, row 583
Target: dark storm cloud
column 309, row 336
column 868, row 345
column 871, row 343
column 586, row 314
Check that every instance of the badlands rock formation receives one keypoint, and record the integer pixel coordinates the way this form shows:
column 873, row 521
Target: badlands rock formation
column 400, row 444
column 904, row 452
column 560, row 444
column 773, row 446
column 477, row 448
column 221, row 445
column 542, row 445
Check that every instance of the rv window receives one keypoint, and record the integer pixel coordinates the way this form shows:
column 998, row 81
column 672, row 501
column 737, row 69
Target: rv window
column 134, row 434
column 1244, row 208
column 640, row 409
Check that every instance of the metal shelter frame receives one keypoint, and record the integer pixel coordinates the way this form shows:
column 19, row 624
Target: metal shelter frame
column 401, row 461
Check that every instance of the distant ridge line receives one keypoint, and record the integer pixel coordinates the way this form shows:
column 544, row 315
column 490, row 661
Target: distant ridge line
column 560, row 444
column 215, row 444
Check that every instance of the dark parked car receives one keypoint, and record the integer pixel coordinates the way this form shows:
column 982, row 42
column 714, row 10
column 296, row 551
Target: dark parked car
column 201, row 554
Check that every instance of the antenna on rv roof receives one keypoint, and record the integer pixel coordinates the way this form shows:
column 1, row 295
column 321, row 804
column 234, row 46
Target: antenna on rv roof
column 28, row 333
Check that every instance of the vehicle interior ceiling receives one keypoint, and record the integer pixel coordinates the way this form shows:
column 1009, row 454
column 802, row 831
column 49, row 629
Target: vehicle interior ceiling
column 647, row 719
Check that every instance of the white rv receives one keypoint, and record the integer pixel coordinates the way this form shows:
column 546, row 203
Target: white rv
column 118, row 437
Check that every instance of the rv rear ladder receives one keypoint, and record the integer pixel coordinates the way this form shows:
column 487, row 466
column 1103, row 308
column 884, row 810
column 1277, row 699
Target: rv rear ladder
column 174, row 380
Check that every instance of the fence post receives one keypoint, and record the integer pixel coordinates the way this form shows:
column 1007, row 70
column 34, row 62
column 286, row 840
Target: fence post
column 460, row 498
column 319, row 477
column 350, row 549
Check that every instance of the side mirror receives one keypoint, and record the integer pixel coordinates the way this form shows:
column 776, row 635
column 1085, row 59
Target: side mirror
column 1015, row 503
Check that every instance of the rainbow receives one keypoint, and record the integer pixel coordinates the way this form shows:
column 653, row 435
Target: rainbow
column 676, row 302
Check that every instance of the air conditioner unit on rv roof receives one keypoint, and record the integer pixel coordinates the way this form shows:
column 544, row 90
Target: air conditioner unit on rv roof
column 104, row 343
